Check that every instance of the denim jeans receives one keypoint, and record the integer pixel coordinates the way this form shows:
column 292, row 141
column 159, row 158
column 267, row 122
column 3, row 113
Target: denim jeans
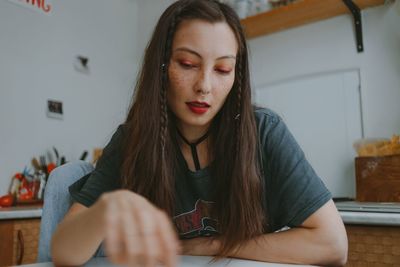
column 57, row 201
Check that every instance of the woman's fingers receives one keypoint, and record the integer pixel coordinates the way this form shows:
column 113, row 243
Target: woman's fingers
column 131, row 237
column 149, row 244
column 137, row 233
column 167, row 239
column 120, row 229
column 112, row 234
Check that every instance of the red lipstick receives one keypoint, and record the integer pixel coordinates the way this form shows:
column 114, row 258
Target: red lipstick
column 198, row 107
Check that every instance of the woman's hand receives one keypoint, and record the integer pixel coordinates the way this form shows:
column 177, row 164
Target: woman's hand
column 136, row 232
column 200, row 246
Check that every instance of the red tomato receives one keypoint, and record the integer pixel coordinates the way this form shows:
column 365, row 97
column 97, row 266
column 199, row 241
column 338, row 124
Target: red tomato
column 6, row 201
column 51, row 166
column 19, row 176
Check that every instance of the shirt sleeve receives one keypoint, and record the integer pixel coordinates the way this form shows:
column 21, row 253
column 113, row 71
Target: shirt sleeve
column 106, row 175
column 293, row 189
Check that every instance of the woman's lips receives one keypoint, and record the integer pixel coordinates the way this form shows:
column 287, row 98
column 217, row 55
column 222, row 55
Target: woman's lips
column 198, row 107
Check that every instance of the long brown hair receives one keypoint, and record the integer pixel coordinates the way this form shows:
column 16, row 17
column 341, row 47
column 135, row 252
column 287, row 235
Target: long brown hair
column 150, row 149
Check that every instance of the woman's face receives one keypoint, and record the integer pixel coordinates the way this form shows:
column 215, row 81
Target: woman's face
column 201, row 71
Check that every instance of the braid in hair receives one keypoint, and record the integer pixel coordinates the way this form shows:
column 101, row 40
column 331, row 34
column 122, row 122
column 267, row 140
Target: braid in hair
column 165, row 170
column 238, row 105
column 163, row 91
column 164, row 119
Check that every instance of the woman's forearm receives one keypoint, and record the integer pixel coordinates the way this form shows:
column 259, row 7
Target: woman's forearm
column 78, row 237
column 320, row 240
column 298, row 246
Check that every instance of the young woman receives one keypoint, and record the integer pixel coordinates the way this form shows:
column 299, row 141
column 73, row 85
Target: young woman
column 196, row 169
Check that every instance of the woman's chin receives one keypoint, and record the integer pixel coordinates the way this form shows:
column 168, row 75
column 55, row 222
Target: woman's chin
column 196, row 122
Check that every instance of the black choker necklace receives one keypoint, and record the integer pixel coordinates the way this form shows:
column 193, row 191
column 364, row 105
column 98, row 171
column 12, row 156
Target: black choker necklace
column 193, row 148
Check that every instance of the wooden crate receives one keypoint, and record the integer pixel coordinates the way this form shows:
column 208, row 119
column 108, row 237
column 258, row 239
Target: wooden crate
column 378, row 179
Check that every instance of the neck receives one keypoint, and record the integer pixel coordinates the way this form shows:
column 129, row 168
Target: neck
column 195, row 148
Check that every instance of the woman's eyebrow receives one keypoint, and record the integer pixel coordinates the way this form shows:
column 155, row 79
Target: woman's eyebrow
column 185, row 49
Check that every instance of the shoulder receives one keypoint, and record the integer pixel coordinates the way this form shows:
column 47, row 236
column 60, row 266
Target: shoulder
column 115, row 145
column 266, row 119
column 120, row 133
column 273, row 133
column 122, row 129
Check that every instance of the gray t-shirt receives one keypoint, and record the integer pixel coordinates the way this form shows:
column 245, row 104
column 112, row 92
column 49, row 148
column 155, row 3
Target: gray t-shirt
column 292, row 190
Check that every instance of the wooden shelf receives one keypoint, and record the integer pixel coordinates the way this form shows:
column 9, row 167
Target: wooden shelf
column 299, row 13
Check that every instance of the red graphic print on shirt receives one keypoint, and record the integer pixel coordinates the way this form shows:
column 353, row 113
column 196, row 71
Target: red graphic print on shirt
column 197, row 222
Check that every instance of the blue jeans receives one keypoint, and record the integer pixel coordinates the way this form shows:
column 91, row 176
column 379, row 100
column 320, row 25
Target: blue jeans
column 57, row 202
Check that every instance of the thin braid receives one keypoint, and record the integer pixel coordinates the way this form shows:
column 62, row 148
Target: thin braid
column 164, row 120
column 163, row 91
column 239, row 106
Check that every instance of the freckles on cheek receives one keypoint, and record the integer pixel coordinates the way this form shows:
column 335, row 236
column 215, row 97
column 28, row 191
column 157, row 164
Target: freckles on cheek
column 176, row 80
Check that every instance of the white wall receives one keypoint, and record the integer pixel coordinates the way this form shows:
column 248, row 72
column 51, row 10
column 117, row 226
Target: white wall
column 37, row 53
column 150, row 12
column 329, row 46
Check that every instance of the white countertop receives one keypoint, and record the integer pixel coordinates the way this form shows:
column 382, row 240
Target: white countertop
column 21, row 212
column 369, row 213
column 386, row 214
column 186, row 261
column 370, row 218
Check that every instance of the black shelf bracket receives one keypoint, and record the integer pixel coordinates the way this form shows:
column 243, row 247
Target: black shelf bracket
column 355, row 10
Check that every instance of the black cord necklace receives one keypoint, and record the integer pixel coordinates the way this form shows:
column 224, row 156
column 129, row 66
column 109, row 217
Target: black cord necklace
column 193, row 148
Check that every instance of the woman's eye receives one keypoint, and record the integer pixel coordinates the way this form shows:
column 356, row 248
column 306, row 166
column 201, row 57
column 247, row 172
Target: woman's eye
column 186, row 65
column 223, row 71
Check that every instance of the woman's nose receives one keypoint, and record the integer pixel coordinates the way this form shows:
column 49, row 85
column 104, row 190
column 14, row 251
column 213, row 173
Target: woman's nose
column 203, row 85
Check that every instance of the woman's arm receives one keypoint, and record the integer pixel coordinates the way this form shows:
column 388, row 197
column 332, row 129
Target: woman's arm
column 321, row 240
column 78, row 236
column 135, row 232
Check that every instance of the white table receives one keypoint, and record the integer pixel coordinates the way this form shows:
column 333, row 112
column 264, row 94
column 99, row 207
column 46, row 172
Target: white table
column 185, row 261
